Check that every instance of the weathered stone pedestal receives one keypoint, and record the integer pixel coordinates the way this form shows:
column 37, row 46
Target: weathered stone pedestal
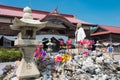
column 27, row 68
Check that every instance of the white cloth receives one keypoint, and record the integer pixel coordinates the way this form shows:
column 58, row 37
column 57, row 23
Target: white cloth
column 80, row 34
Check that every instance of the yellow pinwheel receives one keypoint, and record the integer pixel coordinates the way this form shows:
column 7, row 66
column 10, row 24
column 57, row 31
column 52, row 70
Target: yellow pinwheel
column 66, row 57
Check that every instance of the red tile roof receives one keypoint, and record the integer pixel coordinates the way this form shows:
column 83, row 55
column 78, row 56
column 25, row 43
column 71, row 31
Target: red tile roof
column 17, row 12
column 108, row 30
column 112, row 29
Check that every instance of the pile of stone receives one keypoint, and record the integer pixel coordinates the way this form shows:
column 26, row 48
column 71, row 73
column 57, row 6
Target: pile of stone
column 80, row 67
column 96, row 67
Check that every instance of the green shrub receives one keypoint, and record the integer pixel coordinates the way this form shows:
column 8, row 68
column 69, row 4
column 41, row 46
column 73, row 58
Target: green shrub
column 7, row 55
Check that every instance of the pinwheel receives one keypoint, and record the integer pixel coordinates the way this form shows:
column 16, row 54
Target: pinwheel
column 66, row 57
column 58, row 58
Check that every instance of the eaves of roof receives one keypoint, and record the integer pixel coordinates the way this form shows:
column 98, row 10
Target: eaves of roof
column 100, row 33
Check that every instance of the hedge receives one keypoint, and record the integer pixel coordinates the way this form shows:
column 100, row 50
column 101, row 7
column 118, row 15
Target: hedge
column 7, row 55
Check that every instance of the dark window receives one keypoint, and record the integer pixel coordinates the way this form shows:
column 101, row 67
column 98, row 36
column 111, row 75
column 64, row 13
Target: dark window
column 29, row 33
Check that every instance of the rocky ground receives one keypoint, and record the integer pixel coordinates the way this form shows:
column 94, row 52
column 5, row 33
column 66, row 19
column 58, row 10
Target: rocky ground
column 95, row 66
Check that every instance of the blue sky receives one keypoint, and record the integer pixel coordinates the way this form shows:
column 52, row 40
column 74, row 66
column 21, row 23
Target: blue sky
column 106, row 12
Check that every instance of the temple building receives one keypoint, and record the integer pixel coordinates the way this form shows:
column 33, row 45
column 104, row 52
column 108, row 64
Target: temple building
column 60, row 26
column 63, row 25
column 108, row 35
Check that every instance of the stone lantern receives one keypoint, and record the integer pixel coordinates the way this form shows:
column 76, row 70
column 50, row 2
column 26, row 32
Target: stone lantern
column 98, row 45
column 27, row 43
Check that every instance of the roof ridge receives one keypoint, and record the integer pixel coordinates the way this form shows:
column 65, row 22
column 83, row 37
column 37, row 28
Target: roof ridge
column 109, row 26
column 34, row 10
column 20, row 8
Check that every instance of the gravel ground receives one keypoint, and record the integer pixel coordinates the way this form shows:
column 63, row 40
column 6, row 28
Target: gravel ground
column 2, row 65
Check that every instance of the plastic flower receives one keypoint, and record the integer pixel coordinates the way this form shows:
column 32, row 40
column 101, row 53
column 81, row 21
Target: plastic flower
column 61, row 42
column 43, row 53
column 87, row 42
column 58, row 59
column 69, row 41
column 66, row 57
column 86, row 53
column 38, row 47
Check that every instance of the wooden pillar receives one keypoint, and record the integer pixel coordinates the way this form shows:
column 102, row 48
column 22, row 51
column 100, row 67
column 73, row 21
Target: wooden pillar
column 110, row 37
